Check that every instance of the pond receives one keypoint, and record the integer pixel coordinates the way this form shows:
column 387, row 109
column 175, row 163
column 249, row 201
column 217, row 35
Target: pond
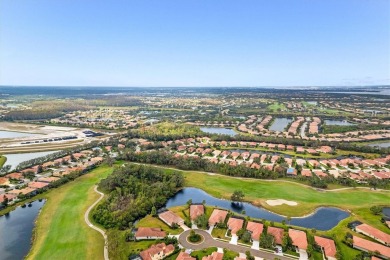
column 381, row 145
column 323, row 218
column 280, row 124
column 11, row 134
column 314, row 103
column 337, row 122
column 218, row 130
column 386, row 211
column 15, row 159
column 16, row 231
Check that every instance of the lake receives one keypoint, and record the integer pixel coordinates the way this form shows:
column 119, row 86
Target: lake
column 11, row 134
column 280, row 124
column 381, row 145
column 15, row 159
column 218, row 130
column 324, row 218
column 337, row 122
column 16, row 231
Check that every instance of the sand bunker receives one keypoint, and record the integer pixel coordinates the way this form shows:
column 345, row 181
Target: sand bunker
column 281, row 202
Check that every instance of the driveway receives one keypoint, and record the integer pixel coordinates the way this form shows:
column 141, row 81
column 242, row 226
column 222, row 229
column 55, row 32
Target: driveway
column 234, row 240
column 303, row 255
column 209, row 241
column 256, row 245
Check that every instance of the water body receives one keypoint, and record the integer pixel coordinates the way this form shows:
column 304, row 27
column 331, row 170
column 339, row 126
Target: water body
column 386, row 211
column 218, row 130
column 337, row 122
column 381, row 145
column 15, row 159
column 323, row 218
column 16, row 231
column 11, row 134
column 280, row 124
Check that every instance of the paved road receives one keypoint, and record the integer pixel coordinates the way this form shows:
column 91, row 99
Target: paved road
column 94, row 227
column 209, row 241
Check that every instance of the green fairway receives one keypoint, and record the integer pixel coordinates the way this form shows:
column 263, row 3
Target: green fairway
column 258, row 191
column 275, row 107
column 61, row 232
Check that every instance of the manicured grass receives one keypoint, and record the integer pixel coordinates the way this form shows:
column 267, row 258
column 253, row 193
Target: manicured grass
column 3, row 159
column 258, row 191
column 150, row 221
column 219, row 233
column 276, row 107
column 61, row 232
column 204, row 252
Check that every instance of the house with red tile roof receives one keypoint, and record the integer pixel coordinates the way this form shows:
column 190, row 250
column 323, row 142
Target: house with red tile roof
column 374, row 233
column 48, row 179
column 149, row 233
column 184, row 256
column 196, row 210
column 214, row 256
column 369, row 246
column 4, row 181
column 15, row 175
column 328, row 247
column 306, row 173
column 299, row 239
column 170, row 218
column 157, row 252
column 37, row 184
column 24, row 191
column 277, row 233
column 255, row 229
column 235, row 224
column 217, row 216
column 9, row 196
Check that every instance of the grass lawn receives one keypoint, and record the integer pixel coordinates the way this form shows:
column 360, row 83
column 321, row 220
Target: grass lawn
column 150, row 221
column 258, row 191
column 204, row 252
column 219, row 233
column 61, row 232
column 3, row 159
column 275, row 107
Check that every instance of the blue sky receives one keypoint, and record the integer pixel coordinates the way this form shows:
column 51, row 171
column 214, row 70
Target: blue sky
column 194, row 42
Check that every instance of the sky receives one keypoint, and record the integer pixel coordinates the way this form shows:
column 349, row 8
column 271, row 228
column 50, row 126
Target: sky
column 194, row 42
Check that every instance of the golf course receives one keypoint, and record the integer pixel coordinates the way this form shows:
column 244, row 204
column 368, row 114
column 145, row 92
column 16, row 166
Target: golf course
column 61, row 232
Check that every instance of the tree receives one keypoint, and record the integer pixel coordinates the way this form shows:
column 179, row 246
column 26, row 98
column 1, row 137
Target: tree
column 201, row 221
column 189, row 202
column 154, row 211
column 376, row 210
column 237, row 196
column 249, row 256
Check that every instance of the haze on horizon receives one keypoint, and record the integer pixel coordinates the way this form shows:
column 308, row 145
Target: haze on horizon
column 195, row 43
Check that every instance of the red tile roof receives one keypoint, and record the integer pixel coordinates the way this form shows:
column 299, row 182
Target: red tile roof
column 374, row 233
column 298, row 238
column 196, row 211
column 371, row 246
column 277, row 233
column 149, row 232
column 213, row 256
column 184, row 256
column 235, row 224
column 217, row 216
column 159, row 250
column 327, row 245
column 255, row 228
column 37, row 184
column 170, row 218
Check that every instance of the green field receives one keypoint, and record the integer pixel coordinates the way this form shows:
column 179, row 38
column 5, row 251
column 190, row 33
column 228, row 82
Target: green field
column 275, row 107
column 61, row 232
